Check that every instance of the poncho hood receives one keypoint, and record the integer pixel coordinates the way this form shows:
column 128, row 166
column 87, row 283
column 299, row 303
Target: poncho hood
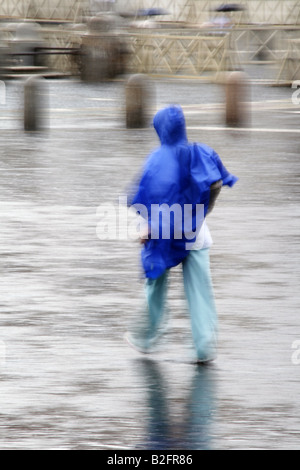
column 169, row 124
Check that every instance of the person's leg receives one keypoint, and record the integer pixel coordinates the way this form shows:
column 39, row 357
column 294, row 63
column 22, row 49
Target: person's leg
column 147, row 329
column 200, row 296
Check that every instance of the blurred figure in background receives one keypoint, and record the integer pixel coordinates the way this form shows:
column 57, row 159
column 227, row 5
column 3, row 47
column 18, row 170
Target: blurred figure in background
column 178, row 176
column 98, row 6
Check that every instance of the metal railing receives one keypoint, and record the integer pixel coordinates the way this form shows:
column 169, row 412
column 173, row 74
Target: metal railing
column 174, row 54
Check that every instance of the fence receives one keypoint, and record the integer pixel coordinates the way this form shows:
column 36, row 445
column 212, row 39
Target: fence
column 187, row 50
column 181, row 54
column 277, row 12
column 42, row 9
column 290, row 68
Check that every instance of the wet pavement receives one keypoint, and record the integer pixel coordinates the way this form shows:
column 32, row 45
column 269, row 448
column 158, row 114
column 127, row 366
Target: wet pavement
column 68, row 379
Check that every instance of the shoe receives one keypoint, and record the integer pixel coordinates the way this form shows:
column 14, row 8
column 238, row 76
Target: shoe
column 204, row 362
column 130, row 342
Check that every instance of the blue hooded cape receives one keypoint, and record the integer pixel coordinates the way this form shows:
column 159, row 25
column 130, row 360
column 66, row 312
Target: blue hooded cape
column 177, row 175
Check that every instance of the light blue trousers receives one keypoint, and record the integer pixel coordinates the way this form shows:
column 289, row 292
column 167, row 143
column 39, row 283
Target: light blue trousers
column 200, row 296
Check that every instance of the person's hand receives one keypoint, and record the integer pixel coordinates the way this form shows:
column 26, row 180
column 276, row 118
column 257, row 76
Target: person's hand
column 144, row 236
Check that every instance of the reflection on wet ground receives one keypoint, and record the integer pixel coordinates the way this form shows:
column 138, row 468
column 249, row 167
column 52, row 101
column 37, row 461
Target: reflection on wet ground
column 190, row 428
column 68, row 380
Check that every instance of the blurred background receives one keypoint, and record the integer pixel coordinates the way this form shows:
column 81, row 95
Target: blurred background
column 98, row 39
column 80, row 81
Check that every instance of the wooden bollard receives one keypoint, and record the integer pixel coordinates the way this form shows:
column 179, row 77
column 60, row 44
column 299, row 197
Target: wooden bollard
column 236, row 98
column 34, row 104
column 138, row 95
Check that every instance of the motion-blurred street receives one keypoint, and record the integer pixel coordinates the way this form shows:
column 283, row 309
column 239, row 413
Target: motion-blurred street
column 68, row 379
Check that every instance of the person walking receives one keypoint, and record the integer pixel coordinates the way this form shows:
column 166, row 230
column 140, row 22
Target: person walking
column 177, row 189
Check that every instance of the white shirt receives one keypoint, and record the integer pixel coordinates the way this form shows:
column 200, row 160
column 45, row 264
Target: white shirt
column 204, row 239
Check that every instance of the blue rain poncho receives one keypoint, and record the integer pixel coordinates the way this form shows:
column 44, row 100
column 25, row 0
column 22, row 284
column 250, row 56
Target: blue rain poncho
column 173, row 190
